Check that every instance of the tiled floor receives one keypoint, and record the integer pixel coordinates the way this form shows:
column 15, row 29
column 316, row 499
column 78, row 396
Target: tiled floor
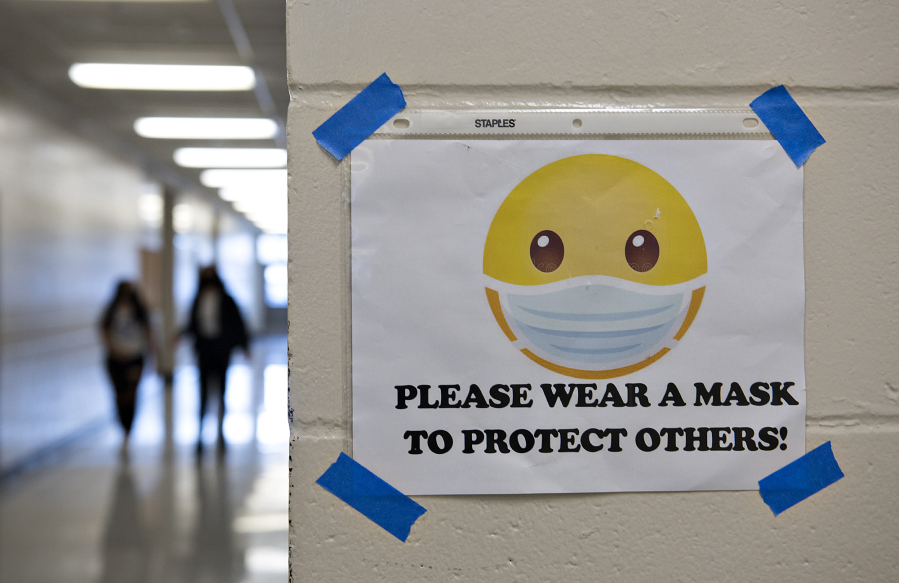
column 154, row 512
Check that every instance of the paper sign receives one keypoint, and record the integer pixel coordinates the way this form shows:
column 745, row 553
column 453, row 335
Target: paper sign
column 535, row 316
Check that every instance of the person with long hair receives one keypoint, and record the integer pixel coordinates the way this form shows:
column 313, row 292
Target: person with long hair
column 217, row 328
column 125, row 331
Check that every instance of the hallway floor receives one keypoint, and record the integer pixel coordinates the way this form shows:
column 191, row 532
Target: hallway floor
column 154, row 511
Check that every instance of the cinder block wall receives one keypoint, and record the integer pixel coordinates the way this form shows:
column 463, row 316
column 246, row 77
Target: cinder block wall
column 841, row 62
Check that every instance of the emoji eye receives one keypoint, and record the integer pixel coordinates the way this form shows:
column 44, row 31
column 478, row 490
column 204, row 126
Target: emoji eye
column 641, row 251
column 547, row 251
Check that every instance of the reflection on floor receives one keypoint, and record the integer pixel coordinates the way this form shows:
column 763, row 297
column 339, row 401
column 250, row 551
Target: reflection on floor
column 154, row 512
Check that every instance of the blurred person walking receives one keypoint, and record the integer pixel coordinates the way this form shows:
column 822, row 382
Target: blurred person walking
column 217, row 328
column 125, row 330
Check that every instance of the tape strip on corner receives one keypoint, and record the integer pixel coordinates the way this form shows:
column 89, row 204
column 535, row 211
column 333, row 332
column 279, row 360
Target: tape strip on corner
column 798, row 480
column 373, row 497
column 361, row 117
column 787, row 123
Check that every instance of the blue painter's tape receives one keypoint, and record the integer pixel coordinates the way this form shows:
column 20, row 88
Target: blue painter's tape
column 798, row 480
column 788, row 123
column 361, row 117
column 376, row 499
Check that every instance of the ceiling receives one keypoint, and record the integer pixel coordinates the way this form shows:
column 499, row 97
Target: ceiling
column 40, row 39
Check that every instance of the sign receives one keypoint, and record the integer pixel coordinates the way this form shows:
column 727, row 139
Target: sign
column 536, row 316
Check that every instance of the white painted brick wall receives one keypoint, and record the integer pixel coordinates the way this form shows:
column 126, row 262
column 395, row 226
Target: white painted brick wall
column 841, row 62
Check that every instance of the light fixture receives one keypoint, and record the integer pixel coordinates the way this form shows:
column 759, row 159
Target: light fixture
column 231, row 157
column 243, row 179
column 271, row 218
column 244, row 206
column 206, row 128
column 270, row 223
column 264, row 211
column 162, row 77
column 232, row 194
column 273, row 228
column 260, row 195
column 240, row 192
column 260, row 198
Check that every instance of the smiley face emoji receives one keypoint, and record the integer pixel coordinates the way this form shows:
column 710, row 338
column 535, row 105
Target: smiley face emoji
column 595, row 266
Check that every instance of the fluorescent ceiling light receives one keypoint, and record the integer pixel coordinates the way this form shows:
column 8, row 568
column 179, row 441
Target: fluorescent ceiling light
column 273, row 228
column 232, row 194
column 245, row 206
column 266, row 192
column 260, row 195
column 231, row 157
column 206, row 128
column 162, row 77
column 258, row 179
column 269, row 213
column 263, row 209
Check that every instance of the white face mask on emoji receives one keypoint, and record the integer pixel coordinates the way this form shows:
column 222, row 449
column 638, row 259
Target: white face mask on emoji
column 595, row 266
column 596, row 324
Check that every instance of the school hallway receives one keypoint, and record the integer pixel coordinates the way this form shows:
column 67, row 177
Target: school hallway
column 87, row 510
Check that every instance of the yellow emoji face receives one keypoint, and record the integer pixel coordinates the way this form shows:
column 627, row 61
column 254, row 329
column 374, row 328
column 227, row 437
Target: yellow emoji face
column 595, row 265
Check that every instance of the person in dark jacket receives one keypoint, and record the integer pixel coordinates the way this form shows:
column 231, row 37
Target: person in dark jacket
column 125, row 330
column 217, row 328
